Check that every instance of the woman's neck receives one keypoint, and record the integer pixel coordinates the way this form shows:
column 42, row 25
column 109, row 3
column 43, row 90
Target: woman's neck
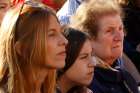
column 35, row 78
column 110, row 62
column 105, row 63
column 65, row 84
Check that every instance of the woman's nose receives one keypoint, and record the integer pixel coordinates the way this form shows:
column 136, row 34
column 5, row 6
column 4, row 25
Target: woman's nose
column 119, row 35
column 92, row 62
column 63, row 40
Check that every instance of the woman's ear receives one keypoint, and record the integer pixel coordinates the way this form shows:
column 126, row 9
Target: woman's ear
column 18, row 48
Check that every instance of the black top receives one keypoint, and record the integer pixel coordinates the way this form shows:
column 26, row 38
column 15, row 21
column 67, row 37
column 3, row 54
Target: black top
column 108, row 81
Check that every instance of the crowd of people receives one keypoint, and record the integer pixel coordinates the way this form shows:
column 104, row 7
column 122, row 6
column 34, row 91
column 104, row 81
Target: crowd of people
column 69, row 46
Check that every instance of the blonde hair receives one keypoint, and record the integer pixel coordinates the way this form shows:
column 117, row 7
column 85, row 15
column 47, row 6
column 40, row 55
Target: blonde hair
column 88, row 13
column 27, row 26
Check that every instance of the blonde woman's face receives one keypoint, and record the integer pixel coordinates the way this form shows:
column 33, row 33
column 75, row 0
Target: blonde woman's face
column 56, row 44
column 4, row 6
column 81, row 72
column 109, row 42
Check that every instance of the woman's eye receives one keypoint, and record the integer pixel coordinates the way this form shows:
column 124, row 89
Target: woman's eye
column 111, row 31
column 2, row 6
column 84, row 57
column 108, row 31
column 51, row 33
column 121, row 28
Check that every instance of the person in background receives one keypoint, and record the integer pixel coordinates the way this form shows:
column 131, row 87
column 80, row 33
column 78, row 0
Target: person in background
column 79, row 69
column 132, row 25
column 55, row 4
column 67, row 10
column 33, row 47
column 102, row 19
column 129, row 65
column 131, row 68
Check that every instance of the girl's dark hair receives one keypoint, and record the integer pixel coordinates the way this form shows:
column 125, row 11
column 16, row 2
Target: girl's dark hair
column 76, row 40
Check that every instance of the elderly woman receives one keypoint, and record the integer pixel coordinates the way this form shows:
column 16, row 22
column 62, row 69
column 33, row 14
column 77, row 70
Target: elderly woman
column 102, row 20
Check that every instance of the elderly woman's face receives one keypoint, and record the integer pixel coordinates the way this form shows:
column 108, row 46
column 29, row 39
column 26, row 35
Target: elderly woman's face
column 109, row 42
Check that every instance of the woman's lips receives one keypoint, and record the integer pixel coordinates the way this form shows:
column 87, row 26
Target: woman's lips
column 63, row 53
column 116, row 46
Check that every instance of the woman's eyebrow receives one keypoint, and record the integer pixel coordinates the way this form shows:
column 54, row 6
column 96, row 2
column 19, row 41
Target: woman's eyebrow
column 52, row 29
